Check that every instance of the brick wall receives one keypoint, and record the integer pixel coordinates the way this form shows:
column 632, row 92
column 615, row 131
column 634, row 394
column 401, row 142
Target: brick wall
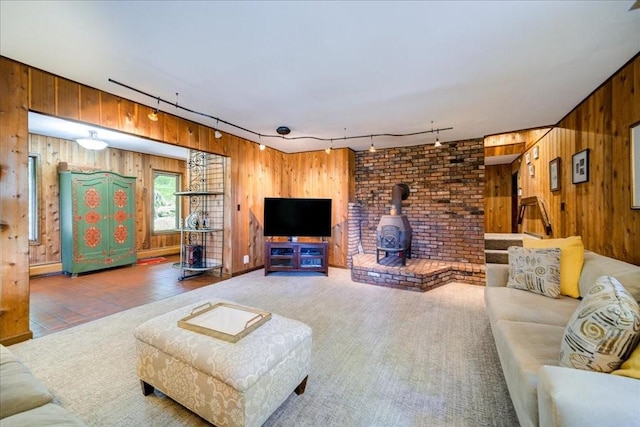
column 446, row 204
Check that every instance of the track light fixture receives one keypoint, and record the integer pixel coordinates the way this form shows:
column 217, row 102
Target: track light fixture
column 92, row 143
column 217, row 134
column 437, row 131
column 282, row 131
column 154, row 115
column 372, row 149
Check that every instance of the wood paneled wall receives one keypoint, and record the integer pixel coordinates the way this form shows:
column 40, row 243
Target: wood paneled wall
column 318, row 174
column 527, row 137
column 53, row 151
column 14, row 187
column 253, row 174
column 600, row 209
column 497, row 199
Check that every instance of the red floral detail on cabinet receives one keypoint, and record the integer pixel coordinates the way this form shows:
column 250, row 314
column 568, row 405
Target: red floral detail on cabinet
column 120, row 234
column 92, row 217
column 120, row 216
column 92, row 198
column 120, row 198
column 92, row 237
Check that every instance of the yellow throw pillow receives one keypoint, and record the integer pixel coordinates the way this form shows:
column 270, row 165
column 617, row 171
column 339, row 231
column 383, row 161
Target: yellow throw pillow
column 631, row 366
column 571, row 260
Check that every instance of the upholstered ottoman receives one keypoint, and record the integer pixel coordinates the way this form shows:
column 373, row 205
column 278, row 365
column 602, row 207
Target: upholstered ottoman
column 228, row 384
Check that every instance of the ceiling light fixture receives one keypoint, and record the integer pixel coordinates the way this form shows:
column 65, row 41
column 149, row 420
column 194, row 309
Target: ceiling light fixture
column 262, row 147
column 92, row 143
column 372, row 149
column 217, row 134
column 154, row 115
column 282, row 130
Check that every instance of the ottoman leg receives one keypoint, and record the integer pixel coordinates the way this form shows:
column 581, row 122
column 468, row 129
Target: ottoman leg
column 147, row 389
column 300, row 389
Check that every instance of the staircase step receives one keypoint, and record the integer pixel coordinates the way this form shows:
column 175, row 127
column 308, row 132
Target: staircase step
column 496, row 256
column 501, row 241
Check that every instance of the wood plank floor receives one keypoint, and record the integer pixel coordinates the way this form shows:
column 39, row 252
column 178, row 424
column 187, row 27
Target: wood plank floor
column 59, row 301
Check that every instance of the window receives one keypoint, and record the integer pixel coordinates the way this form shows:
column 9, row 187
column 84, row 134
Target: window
column 34, row 205
column 166, row 208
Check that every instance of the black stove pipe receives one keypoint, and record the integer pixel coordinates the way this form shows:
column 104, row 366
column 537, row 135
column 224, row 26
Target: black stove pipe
column 399, row 193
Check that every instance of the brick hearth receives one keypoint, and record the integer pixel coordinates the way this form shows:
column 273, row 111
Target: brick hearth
column 418, row 275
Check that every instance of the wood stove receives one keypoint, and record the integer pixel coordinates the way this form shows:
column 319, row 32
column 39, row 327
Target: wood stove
column 393, row 234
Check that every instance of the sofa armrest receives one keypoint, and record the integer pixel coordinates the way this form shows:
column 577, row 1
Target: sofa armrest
column 19, row 390
column 497, row 274
column 572, row 397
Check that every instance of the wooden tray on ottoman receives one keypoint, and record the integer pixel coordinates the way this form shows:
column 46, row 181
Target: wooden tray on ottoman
column 229, row 322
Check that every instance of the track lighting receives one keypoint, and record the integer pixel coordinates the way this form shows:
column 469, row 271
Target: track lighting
column 153, row 116
column 262, row 147
column 372, row 149
column 282, row 131
column 217, row 134
column 92, row 143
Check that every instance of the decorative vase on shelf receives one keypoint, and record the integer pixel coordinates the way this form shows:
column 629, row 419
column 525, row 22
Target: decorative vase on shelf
column 193, row 221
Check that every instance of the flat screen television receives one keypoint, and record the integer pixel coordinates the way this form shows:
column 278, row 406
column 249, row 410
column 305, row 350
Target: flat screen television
column 292, row 217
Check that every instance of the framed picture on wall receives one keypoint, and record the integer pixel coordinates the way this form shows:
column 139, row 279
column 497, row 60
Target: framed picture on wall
column 580, row 170
column 527, row 158
column 536, row 152
column 635, row 166
column 532, row 170
column 554, row 174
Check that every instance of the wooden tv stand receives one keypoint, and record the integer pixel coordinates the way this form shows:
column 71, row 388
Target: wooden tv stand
column 296, row 256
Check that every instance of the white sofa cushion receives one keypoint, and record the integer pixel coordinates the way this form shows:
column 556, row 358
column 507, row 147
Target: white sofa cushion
column 48, row 415
column 522, row 306
column 523, row 348
column 604, row 329
column 596, row 266
column 571, row 397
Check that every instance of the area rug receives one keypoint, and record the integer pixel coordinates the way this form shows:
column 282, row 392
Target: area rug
column 380, row 356
column 151, row 261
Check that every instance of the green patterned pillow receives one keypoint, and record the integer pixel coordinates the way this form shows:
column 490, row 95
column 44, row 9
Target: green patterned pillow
column 604, row 329
column 535, row 270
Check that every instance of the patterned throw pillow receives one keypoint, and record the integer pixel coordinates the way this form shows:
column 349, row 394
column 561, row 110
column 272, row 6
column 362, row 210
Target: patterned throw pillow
column 604, row 329
column 535, row 270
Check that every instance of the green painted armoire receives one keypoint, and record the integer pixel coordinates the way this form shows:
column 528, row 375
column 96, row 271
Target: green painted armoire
column 97, row 220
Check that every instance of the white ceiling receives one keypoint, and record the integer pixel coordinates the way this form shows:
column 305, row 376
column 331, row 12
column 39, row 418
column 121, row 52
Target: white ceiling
column 320, row 67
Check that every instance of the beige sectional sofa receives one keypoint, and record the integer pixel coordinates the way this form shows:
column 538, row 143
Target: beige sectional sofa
column 528, row 330
column 24, row 400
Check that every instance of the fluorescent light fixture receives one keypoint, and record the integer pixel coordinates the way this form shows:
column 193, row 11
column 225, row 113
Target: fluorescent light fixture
column 92, row 143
